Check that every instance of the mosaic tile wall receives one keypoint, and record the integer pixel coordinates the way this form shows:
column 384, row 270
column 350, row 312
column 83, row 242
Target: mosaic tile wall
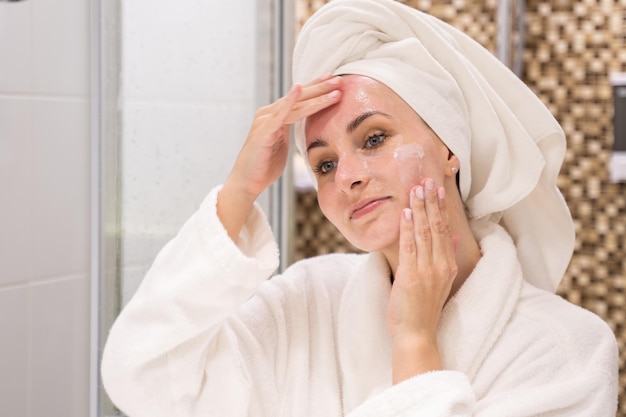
column 571, row 47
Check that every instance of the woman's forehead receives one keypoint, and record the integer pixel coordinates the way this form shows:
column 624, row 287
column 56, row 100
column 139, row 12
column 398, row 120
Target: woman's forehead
column 362, row 89
column 360, row 95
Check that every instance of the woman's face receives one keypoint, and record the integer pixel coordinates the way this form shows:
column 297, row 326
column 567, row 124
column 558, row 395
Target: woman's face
column 367, row 152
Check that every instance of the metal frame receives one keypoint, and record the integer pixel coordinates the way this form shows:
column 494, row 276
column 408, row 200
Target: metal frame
column 104, row 47
column 510, row 17
column 95, row 94
column 282, row 202
column 273, row 81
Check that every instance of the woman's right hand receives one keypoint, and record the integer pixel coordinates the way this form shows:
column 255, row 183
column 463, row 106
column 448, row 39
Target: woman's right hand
column 422, row 282
column 263, row 156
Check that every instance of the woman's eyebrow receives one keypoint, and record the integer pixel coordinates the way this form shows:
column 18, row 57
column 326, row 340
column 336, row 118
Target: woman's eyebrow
column 361, row 118
column 317, row 143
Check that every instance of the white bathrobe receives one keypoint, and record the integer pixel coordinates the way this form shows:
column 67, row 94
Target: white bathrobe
column 207, row 334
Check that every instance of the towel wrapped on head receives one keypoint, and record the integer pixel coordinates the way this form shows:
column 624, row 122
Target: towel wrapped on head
column 509, row 145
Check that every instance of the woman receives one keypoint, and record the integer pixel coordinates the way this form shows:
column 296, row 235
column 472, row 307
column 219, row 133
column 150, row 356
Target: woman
column 431, row 156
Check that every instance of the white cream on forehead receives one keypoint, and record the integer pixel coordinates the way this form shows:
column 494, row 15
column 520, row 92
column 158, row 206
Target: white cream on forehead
column 362, row 97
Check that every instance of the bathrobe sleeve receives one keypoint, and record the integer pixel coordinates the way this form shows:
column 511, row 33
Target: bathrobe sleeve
column 172, row 351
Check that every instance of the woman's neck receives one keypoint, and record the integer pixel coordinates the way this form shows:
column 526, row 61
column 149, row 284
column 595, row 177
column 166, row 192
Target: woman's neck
column 467, row 256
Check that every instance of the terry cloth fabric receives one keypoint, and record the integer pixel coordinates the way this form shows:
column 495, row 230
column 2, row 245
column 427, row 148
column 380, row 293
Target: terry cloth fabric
column 207, row 334
column 509, row 145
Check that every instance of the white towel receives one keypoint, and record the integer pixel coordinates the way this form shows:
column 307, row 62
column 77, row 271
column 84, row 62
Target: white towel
column 509, row 145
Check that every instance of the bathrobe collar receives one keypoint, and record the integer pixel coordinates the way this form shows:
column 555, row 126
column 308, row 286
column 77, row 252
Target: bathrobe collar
column 470, row 324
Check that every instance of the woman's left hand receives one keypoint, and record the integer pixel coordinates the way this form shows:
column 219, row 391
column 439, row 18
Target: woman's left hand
column 422, row 282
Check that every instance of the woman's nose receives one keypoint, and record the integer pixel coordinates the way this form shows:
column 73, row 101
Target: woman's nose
column 351, row 172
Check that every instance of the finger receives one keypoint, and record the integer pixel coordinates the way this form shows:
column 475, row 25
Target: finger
column 448, row 239
column 272, row 117
column 306, row 108
column 320, row 87
column 287, row 102
column 314, row 89
column 319, row 79
column 438, row 226
column 407, row 259
column 315, row 97
column 421, row 228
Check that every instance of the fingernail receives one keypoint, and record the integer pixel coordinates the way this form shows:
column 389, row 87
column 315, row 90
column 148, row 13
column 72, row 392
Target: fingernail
column 441, row 193
column 419, row 192
column 333, row 94
column 407, row 213
column 429, row 185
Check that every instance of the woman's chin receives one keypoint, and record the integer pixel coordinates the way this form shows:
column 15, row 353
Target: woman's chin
column 374, row 242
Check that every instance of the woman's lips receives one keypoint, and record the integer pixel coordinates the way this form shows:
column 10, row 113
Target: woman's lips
column 364, row 207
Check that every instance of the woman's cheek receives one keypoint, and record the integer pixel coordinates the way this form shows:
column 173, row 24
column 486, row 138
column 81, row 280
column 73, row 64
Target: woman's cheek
column 326, row 203
column 408, row 162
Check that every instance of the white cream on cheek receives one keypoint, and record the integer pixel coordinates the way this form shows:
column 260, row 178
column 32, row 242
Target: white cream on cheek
column 407, row 157
column 407, row 161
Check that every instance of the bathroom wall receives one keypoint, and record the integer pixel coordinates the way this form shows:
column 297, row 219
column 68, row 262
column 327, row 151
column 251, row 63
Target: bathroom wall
column 44, row 208
column 571, row 48
column 188, row 96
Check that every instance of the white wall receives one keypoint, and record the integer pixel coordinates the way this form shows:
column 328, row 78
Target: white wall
column 44, row 208
column 189, row 92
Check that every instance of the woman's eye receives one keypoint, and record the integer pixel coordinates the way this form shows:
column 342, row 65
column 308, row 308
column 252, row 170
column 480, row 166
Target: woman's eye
column 375, row 140
column 325, row 167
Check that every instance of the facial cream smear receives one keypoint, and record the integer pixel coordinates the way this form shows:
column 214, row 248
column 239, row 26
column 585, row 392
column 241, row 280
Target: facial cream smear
column 408, row 152
column 410, row 157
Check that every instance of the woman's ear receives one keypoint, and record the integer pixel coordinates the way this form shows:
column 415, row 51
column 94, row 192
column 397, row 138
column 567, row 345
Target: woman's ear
column 453, row 165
